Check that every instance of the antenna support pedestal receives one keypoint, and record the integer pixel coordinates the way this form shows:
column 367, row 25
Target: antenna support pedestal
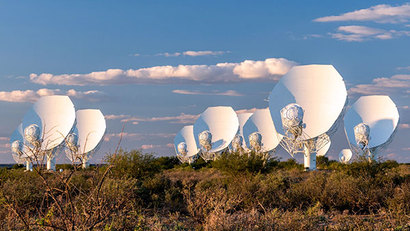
column 309, row 159
column 85, row 163
column 51, row 163
column 29, row 166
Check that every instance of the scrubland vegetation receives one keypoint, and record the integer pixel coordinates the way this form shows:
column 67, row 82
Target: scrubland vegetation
column 136, row 191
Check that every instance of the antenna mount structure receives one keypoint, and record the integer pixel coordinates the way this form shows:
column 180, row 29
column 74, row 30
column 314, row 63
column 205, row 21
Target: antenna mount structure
column 205, row 142
column 237, row 143
column 295, row 140
column 182, row 154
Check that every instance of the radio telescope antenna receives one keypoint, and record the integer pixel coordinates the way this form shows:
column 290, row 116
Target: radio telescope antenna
column 20, row 152
column 238, row 143
column 323, row 151
column 86, row 136
column 370, row 124
column 260, row 133
column 345, row 156
column 46, row 125
column 305, row 104
column 214, row 130
column 185, row 146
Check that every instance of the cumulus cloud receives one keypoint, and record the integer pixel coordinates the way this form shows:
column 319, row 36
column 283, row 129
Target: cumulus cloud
column 32, row 96
column 380, row 13
column 361, row 33
column 224, row 93
column 404, row 126
column 115, row 117
column 399, row 84
column 270, row 69
column 192, row 53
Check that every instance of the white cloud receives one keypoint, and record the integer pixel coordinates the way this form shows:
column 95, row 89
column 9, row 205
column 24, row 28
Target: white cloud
column 403, row 68
column 192, row 53
column 380, row 13
column 150, row 146
column 270, row 69
column 399, row 84
column 361, row 33
column 180, row 119
column 202, row 53
column 404, row 126
column 250, row 69
column 3, row 138
column 116, row 117
column 4, row 143
column 224, row 93
column 166, row 54
column 32, row 96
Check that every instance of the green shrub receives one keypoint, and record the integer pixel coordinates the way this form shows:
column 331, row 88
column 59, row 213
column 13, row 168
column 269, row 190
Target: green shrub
column 234, row 192
column 133, row 164
column 290, row 164
column 166, row 162
column 236, row 162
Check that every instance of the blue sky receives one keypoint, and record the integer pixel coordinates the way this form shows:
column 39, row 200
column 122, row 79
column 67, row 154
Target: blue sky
column 158, row 64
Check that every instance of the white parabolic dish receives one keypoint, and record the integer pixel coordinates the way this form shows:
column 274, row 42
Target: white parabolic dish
column 222, row 122
column 377, row 111
column 242, row 118
column 324, row 149
column 318, row 89
column 186, row 135
column 262, row 123
column 90, row 125
column 345, row 155
column 55, row 116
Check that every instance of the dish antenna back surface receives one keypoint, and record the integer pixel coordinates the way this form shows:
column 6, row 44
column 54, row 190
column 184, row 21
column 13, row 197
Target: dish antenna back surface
column 309, row 99
column 214, row 130
column 86, row 135
column 47, row 123
column 261, row 123
column 185, row 146
column 370, row 123
column 345, row 156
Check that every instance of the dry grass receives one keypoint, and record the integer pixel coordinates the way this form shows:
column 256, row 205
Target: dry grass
column 160, row 195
